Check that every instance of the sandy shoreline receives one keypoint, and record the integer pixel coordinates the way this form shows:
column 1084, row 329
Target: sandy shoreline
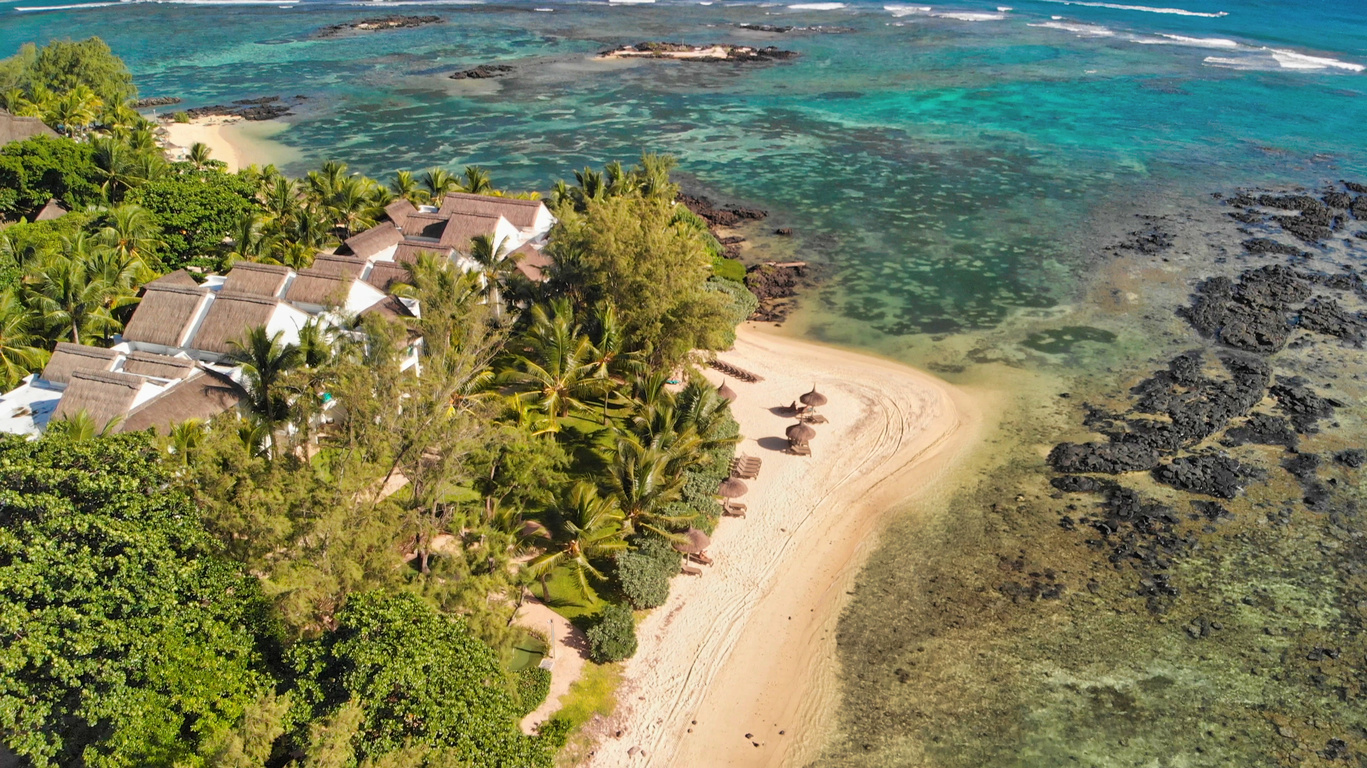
column 235, row 141
column 749, row 648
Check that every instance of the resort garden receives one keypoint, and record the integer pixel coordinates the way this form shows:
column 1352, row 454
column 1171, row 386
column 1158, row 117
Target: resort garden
column 270, row 588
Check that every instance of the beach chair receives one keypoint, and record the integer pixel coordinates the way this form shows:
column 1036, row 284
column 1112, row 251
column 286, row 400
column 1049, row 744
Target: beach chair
column 800, row 450
column 700, row 557
column 689, row 570
column 812, row 418
column 733, row 509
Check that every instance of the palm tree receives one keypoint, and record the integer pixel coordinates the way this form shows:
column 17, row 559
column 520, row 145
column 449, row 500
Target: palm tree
column 405, row 186
column 324, row 181
column 653, row 176
column 644, row 483
column 476, row 181
column 437, row 182
column 185, row 439
column 20, row 352
column 265, row 360
column 81, row 426
column 115, row 167
column 69, row 297
column 74, row 111
column 349, row 204
column 132, row 233
column 494, row 267
column 555, row 371
column 247, row 238
column 589, row 529
column 199, row 155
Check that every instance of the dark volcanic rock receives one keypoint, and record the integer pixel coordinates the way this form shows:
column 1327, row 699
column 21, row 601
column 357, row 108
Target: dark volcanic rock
column 1305, row 468
column 782, row 30
column 1263, row 429
column 1212, row 474
column 1353, row 186
column 1110, row 458
column 1301, row 404
column 377, row 24
column 263, row 108
column 1078, row 484
column 482, row 71
column 1360, row 208
column 1251, row 314
column 728, row 216
column 1262, row 245
column 1353, row 458
column 156, row 101
column 1338, row 200
column 1327, row 317
column 1196, row 406
column 732, row 53
column 773, row 286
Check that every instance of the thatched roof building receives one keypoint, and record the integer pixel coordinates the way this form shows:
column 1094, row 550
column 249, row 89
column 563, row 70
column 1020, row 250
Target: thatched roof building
column 13, row 128
column 166, row 315
column 373, row 242
column 523, row 214
column 103, row 396
column 257, row 279
column 230, row 317
column 158, row 366
column 68, row 358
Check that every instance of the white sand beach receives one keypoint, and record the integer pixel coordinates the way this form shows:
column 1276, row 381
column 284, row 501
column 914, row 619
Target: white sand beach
column 738, row 667
column 235, row 141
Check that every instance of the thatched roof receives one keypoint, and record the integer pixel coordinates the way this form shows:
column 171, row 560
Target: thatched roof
column 159, row 366
column 19, row 128
column 229, row 318
column 813, row 398
column 389, row 308
column 346, row 266
column 399, row 211
column 53, row 210
column 104, row 396
column 257, row 279
column 203, row 396
column 164, row 314
column 179, row 277
column 68, row 358
column 429, row 225
column 519, row 213
column 726, row 393
column 464, row 227
column 407, row 252
column 385, row 273
column 532, row 263
column 732, row 488
column 694, row 542
column 372, row 241
column 800, row 433
column 314, row 287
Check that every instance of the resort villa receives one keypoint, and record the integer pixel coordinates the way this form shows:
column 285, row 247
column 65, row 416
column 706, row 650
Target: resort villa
column 174, row 362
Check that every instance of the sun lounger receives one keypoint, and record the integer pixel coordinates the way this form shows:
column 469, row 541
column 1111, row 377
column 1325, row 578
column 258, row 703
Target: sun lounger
column 739, row 373
column 701, row 557
column 733, row 510
column 800, row 450
column 746, row 467
column 812, row 418
column 689, row 570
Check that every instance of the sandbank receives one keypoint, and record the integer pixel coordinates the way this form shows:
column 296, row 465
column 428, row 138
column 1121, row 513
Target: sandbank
column 235, row 141
column 739, row 667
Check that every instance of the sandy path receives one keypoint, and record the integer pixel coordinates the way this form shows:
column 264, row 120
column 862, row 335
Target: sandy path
column 571, row 652
column 749, row 648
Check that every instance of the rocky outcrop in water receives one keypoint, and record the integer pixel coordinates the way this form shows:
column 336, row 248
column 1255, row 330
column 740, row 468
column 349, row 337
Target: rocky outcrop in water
column 779, row 29
column 156, row 101
column 262, row 108
column 725, row 216
column 482, row 72
column 376, row 24
column 703, row 54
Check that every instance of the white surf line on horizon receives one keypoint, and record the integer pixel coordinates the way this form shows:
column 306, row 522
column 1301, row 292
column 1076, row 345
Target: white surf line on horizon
column 901, row 11
column 1143, row 8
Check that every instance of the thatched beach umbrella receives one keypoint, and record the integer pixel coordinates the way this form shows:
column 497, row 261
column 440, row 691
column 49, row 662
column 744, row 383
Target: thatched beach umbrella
column 800, row 433
column 695, row 542
column 813, row 398
column 732, row 488
column 726, row 393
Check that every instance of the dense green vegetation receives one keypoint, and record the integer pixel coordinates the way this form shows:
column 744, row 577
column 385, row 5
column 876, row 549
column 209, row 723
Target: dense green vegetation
column 328, row 578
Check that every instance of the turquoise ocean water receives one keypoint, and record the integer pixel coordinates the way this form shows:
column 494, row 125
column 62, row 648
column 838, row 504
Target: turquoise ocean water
column 956, row 169
column 941, row 158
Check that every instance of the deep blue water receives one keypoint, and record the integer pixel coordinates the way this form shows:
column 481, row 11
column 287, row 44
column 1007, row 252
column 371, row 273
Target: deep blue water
column 947, row 163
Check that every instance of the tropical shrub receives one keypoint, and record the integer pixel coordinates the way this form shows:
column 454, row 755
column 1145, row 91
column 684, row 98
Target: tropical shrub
column 420, row 680
column 533, row 685
column 36, row 170
column 196, row 210
column 643, row 574
column 613, row 637
column 125, row 640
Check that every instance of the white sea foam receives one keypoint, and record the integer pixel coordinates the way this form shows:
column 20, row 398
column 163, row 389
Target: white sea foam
column 969, row 16
column 1274, row 59
column 1082, row 30
column 29, row 8
column 1187, row 42
column 817, row 6
column 1144, row 8
column 898, row 11
column 544, row 10
column 1005, row 8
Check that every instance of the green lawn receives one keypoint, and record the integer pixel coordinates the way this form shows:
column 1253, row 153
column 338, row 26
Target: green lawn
column 566, row 599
